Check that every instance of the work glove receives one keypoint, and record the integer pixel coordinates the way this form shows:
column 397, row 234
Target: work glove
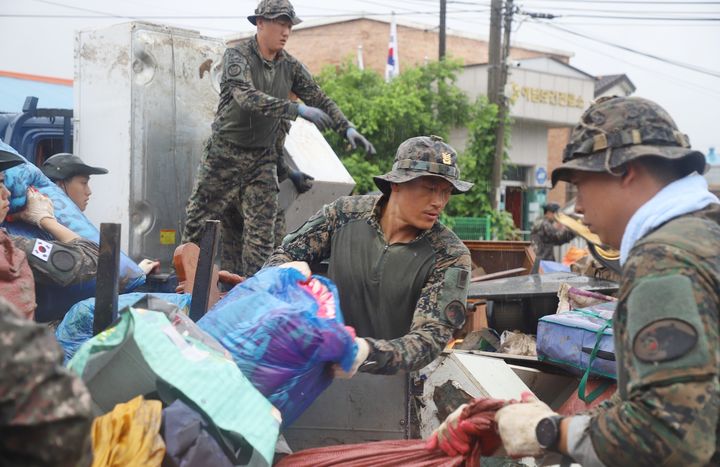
column 301, row 266
column 315, row 115
column 147, row 265
column 360, row 357
column 355, row 138
column 302, row 181
column 516, row 425
column 37, row 208
column 449, row 437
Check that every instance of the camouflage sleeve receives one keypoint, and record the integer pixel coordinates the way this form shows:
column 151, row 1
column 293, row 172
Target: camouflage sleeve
column 236, row 75
column 440, row 310
column 310, row 242
column 668, row 347
column 80, row 259
column 307, row 89
column 46, row 413
column 551, row 234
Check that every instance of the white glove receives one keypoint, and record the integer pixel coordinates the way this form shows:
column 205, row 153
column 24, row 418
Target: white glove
column 37, row 208
column 360, row 357
column 301, row 266
column 147, row 265
column 516, row 425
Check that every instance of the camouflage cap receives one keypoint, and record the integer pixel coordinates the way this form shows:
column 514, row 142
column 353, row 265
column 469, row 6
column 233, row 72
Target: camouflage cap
column 272, row 9
column 421, row 156
column 615, row 130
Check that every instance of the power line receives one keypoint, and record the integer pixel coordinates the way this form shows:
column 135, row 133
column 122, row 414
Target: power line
column 688, row 66
column 623, row 2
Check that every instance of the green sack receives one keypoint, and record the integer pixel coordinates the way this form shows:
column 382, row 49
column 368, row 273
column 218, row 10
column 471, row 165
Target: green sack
column 143, row 354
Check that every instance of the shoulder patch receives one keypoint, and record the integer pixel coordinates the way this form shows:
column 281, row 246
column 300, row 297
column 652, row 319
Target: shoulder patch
column 234, row 70
column 664, row 340
column 455, row 313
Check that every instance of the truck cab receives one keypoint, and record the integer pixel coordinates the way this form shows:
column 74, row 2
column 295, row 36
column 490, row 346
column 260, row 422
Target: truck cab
column 38, row 133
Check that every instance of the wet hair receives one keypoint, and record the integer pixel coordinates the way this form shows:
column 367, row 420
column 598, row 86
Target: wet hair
column 551, row 207
column 665, row 170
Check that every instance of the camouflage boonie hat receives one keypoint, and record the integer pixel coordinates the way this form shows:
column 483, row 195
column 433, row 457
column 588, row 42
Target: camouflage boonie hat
column 615, row 130
column 421, row 156
column 272, row 9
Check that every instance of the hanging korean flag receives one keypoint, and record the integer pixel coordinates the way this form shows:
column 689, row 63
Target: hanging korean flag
column 392, row 69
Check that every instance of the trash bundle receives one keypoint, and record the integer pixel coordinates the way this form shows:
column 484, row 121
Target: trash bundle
column 282, row 331
column 77, row 326
column 144, row 353
column 53, row 301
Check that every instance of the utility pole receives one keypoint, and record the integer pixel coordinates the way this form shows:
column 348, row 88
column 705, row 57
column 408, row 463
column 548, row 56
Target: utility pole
column 498, row 53
column 443, row 14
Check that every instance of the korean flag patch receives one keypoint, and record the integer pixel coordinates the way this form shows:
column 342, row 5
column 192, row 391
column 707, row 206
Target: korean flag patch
column 42, row 249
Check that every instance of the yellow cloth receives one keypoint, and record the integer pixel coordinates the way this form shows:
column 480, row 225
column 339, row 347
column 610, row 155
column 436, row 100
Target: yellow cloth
column 129, row 435
column 581, row 229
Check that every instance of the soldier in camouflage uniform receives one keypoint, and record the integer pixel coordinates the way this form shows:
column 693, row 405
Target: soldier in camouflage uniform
column 640, row 190
column 234, row 225
column 402, row 276
column 240, row 162
column 546, row 233
column 67, row 260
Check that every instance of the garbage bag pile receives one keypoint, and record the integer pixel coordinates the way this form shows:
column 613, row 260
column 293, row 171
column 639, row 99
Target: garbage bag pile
column 282, row 331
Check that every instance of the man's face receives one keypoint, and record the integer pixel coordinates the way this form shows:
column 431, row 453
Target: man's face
column 601, row 201
column 274, row 33
column 78, row 190
column 4, row 198
column 422, row 200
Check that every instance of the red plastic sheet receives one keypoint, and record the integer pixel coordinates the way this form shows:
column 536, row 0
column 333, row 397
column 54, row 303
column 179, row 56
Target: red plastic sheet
column 476, row 428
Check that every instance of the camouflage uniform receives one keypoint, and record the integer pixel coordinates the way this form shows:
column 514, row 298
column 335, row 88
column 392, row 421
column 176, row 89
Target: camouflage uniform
column 666, row 323
column 45, row 417
column 545, row 235
column 232, row 238
column 405, row 299
column 240, row 162
column 84, row 254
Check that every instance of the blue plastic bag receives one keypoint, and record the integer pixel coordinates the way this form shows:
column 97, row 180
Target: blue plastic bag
column 77, row 325
column 54, row 301
column 282, row 331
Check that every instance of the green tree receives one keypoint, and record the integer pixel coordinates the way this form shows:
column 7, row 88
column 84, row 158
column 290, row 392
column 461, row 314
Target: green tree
column 476, row 165
column 421, row 101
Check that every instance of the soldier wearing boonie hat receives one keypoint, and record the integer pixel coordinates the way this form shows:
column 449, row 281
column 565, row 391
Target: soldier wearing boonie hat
column 237, row 180
column 402, row 275
column 640, row 189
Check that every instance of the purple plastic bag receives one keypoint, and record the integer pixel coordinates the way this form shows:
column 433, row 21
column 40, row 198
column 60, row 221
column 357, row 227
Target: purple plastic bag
column 283, row 332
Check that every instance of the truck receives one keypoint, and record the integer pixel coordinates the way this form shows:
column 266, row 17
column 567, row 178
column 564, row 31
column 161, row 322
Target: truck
column 145, row 96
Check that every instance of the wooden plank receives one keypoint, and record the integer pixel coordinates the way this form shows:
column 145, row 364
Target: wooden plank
column 204, row 273
column 499, row 274
column 106, row 289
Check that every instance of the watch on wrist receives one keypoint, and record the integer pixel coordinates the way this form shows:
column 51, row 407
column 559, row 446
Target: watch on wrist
column 547, row 432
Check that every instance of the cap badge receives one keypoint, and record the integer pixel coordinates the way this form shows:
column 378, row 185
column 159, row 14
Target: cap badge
column 446, row 158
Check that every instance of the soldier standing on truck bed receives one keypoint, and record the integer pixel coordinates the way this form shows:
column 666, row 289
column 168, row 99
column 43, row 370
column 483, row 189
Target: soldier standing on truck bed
column 240, row 161
column 641, row 190
column 402, row 276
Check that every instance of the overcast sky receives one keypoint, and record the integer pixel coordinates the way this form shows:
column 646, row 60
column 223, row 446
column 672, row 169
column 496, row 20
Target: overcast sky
column 37, row 37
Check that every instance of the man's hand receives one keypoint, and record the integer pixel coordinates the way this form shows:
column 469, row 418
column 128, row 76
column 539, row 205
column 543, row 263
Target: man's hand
column 449, row 437
column 315, row 115
column 301, row 180
column 37, row 208
column 517, row 422
column 301, row 266
column 355, row 138
column 360, row 357
column 147, row 265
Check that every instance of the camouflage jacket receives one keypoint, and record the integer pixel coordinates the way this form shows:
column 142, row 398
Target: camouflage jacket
column 666, row 341
column 84, row 254
column 254, row 96
column 545, row 234
column 405, row 299
column 45, row 412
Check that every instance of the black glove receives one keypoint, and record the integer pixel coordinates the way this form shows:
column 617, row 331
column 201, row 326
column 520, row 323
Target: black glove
column 315, row 115
column 301, row 180
column 355, row 138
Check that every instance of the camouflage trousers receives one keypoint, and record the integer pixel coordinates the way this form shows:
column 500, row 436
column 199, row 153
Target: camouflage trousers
column 240, row 183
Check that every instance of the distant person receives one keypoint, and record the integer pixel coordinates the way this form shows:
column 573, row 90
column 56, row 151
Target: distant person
column 547, row 232
column 72, row 175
